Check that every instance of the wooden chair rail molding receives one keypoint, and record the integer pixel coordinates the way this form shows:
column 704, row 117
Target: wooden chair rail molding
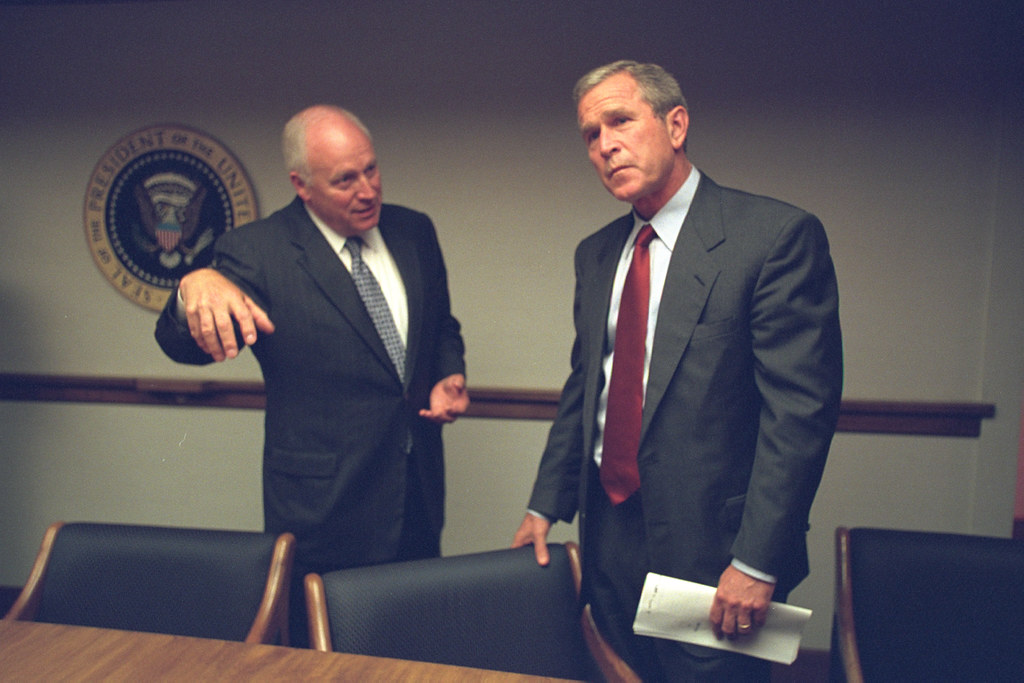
column 871, row 417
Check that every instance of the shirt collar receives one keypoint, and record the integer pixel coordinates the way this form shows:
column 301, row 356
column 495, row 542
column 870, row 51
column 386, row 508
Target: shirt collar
column 669, row 220
column 371, row 238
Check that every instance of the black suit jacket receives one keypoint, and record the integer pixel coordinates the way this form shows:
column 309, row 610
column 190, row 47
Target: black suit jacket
column 337, row 416
column 743, row 392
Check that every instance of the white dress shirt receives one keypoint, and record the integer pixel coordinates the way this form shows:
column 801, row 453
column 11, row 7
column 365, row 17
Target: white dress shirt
column 378, row 259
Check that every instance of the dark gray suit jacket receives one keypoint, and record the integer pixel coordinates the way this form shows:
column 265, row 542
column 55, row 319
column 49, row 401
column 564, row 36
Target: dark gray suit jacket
column 743, row 391
column 334, row 466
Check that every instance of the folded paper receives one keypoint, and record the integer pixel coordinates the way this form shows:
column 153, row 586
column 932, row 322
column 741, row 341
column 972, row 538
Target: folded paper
column 678, row 610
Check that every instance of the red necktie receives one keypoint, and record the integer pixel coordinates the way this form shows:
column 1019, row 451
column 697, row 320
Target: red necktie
column 619, row 473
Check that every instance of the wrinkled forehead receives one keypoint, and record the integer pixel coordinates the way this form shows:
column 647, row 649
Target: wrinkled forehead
column 617, row 95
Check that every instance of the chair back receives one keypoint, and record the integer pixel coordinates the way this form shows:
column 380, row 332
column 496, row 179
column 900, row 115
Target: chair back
column 494, row 610
column 925, row 606
column 230, row 585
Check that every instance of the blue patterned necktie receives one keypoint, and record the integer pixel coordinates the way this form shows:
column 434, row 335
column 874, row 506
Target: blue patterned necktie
column 376, row 305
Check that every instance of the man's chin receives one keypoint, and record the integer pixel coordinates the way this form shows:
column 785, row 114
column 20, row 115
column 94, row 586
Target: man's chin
column 624, row 193
column 365, row 223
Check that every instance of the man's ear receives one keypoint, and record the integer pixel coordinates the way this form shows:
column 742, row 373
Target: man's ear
column 677, row 121
column 299, row 185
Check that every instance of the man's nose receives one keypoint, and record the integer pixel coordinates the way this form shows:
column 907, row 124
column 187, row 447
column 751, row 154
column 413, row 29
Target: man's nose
column 366, row 189
column 607, row 143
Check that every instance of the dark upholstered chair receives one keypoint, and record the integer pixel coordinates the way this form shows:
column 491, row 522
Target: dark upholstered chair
column 923, row 606
column 495, row 610
column 230, row 585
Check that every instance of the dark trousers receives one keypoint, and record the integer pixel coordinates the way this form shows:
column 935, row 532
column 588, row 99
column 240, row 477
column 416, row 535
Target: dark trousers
column 615, row 564
column 418, row 541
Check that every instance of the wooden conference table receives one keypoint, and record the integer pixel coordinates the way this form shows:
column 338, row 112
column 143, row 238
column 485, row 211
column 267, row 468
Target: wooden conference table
column 32, row 651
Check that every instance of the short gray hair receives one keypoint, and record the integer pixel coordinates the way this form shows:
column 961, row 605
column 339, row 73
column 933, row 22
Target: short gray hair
column 658, row 87
column 293, row 139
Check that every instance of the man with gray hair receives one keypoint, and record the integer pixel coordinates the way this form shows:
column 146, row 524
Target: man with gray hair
column 705, row 385
column 344, row 301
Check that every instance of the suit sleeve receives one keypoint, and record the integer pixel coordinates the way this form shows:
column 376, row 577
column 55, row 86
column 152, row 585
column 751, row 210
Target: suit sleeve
column 450, row 356
column 174, row 337
column 797, row 352
column 172, row 334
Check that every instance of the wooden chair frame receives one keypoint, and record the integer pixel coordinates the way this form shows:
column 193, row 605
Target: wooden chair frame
column 271, row 622
column 846, row 631
column 612, row 667
column 269, row 626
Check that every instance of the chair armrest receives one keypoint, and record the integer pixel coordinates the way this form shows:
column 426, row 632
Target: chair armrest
column 271, row 623
column 27, row 604
column 615, row 670
column 846, row 632
column 316, row 607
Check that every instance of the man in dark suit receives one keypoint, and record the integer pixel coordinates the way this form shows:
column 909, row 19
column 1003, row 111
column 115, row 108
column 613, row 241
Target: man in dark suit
column 352, row 461
column 705, row 467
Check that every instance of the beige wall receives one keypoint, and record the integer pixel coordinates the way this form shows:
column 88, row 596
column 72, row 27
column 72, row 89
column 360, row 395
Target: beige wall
column 900, row 128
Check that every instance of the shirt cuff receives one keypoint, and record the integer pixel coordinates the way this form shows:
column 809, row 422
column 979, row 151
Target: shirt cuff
column 179, row 307
column 755, row 573
column 541, row 515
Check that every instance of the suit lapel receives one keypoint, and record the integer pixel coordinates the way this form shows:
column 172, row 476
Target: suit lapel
column 596, row 301
column 316, row 258
column 403, row 251
column 691, row 275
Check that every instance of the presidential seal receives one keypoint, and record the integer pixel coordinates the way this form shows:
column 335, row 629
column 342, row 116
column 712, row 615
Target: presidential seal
column 155, row 204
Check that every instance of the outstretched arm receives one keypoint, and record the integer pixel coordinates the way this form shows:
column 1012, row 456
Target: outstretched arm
column 212, row 306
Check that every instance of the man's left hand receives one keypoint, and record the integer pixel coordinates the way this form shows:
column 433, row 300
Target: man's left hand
column 448, row 400
column 740, row 605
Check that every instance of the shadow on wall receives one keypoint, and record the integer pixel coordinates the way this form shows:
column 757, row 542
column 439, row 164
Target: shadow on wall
column 20, row 343
column 21, row 346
